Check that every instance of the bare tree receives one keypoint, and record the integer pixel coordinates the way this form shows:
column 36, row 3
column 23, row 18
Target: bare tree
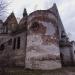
column 3, row 6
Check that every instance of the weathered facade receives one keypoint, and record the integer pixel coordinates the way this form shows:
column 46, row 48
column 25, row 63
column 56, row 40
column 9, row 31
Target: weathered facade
column 38, row 41
column 42, row 50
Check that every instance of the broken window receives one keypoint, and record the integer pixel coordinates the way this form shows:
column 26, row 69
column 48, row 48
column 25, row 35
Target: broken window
column 18, row 42
column 14, row 43
column 35, row 26
column 2, row 47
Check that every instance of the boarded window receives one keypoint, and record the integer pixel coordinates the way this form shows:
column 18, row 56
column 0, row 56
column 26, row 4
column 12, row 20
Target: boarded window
column 14, row 43
column 18, row 42
column 2, row 47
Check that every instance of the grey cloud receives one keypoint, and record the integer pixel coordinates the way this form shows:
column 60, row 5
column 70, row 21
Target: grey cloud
column 67, row 14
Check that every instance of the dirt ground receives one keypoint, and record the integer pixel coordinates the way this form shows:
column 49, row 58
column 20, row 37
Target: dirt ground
column 20, row 71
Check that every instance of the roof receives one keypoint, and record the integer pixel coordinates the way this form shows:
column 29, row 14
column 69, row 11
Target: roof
column 11, row 17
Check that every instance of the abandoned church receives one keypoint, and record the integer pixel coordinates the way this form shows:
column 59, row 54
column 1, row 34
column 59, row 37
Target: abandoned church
column 38, row 41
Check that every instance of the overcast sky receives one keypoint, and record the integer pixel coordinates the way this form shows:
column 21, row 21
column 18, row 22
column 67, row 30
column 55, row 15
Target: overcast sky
column 66, row 10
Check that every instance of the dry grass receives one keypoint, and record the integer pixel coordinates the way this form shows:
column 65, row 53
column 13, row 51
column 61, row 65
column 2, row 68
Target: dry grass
column 62, row 71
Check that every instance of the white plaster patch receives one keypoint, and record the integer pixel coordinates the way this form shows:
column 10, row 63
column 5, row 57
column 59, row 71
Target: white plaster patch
column 50, row 27
column 36, row 48
column 43, row 50
column 38, row 51
column 44, row 65
column 34, row 40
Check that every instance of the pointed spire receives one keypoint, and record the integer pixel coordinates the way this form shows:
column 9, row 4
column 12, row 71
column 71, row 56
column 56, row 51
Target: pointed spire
column 54, row 5
column 54, row 8
column 10, row 18
column 24, row 13
column 12, row 14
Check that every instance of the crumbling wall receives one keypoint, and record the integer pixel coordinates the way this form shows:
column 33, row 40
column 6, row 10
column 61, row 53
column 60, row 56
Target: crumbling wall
column 12, row 57
column 42, row 42
column 66, row 56
column 19, row 54
column 6, row 54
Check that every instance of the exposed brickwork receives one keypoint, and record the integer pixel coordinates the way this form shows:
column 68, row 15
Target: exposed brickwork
column 38, row 28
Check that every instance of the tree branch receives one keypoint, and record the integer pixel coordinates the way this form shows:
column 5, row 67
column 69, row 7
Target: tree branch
column 3, row 7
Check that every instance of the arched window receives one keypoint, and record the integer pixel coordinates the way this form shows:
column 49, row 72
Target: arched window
column 14, row 43
column 18, row 42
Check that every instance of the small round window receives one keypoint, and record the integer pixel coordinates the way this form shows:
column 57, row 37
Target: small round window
column 35, row 26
